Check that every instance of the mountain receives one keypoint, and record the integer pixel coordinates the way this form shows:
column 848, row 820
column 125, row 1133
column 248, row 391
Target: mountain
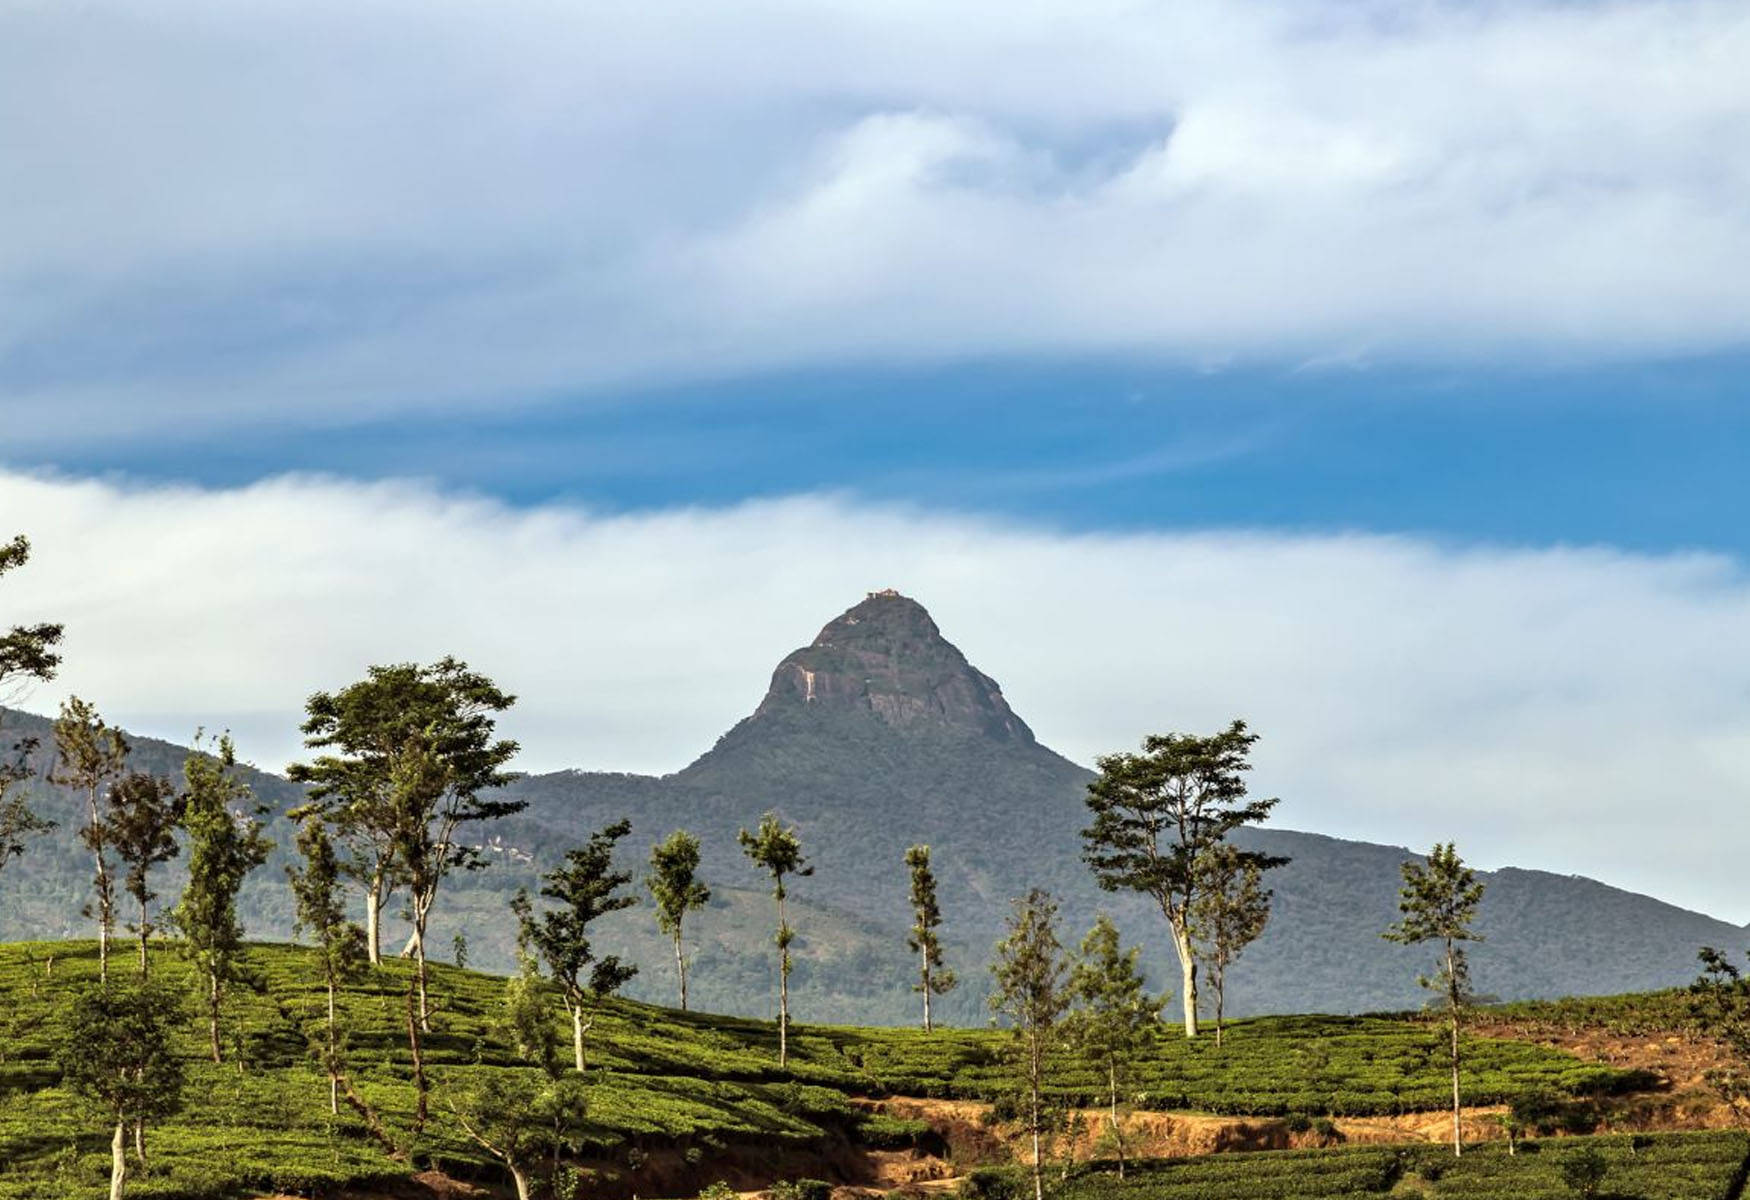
column 877, row 735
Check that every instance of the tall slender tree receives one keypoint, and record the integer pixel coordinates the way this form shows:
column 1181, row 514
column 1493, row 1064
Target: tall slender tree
column 412, row 760
column 1230, row 912
column 934, row 979
column 1114, row 1016
column 1032, row 993
column 1155, row 812
column 677, row 890
column 776, row 849
column 144, row 810
column 340, row 945
column 91, row 755
column 225, row 843
column 1438, row 902
column 585, row 888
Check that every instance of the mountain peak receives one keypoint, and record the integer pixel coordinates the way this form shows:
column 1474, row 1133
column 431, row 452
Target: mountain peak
column 886, row 657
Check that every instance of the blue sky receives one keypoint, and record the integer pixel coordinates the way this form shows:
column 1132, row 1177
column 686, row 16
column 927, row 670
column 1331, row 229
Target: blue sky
column 1375, row 369
column 1641, row 455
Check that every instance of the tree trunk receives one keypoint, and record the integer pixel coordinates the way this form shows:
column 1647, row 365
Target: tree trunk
column 924, row 975
column 577, row 1034
column 1453, row 999
column 333, row 1066
column 118, row 1160
column 680, row 966
column 140, row 1143
column 144, row 930
column 417, row 1050
column 521, row 1179
column 374, row 917
column 1219, row 980
column 419, row 971
column 1117, row 1129
column 783, row 991
column 103, row 902
column 213, row 1015
column 1187, row 974
column 1038, row 1154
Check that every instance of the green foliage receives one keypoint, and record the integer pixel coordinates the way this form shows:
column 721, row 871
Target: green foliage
column 584, row 889
column 1114, row 1017
column 26, row 651
column 144, row 810
column 1032, row 994
column 115, row 1049
column 1719, row 1004
column 777, row 850
column 675, row 887
column 1156, row 814
column 934, row 979
column 1229, row 913
column 90, row 755
column 1584, row 1170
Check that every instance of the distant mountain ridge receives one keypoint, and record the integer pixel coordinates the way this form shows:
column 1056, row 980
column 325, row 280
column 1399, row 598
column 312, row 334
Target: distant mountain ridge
column 879, row 734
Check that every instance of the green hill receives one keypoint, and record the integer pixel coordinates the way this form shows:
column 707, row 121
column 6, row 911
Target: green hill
column 676, row 1100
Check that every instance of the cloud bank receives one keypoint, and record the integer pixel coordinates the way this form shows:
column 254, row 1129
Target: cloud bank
column 309, row 212
column 1572, row 709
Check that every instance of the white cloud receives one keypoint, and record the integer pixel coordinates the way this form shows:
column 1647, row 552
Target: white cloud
column 1573, row 709
column 312, row 212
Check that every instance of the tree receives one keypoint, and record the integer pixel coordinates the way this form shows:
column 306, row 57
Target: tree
column 521, row 1118
column 116, row 1050
column 144, row 811
column 933, row 978
column 1154, row 813
column 677, row 890
column 1719, row 1003
column 91, row 755
column 26, row 651
column 225, row 843
column 1031, row 993
column 1438, row 902
column 1114, row 1016
column 413, row 758
column 517, row 1117
column 340, row 945
column 777, row 851
column 585, row 888
column 1230, row 912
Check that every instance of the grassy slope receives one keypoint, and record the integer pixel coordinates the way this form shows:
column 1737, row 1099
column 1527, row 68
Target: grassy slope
column 660, row 1079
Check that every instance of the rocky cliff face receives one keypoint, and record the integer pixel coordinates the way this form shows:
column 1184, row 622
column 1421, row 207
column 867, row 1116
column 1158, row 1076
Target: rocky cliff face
column 886, row 657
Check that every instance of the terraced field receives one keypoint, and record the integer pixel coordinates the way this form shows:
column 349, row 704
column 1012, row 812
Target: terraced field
column 675, row 1099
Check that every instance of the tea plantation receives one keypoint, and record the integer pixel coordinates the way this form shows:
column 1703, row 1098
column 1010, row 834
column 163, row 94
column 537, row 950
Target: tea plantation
column 661, row 1081
column 1688, row 1166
